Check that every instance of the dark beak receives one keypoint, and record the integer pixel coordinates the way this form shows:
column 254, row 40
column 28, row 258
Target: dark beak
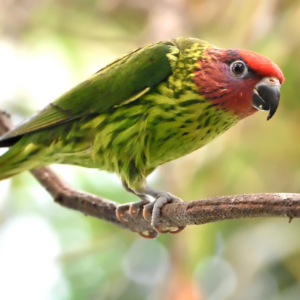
column 266, row 96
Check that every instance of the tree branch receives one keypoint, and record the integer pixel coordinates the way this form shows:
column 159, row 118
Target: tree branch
column 173, row 215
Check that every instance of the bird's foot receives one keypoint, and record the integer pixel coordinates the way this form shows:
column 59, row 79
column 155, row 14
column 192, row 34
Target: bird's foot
column 152, row 211
column 135, row 210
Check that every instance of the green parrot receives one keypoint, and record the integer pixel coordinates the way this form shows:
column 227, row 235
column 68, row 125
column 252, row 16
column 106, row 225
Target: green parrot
column 152, row 105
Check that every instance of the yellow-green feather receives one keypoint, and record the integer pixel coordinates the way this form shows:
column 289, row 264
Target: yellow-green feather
column 133, row 136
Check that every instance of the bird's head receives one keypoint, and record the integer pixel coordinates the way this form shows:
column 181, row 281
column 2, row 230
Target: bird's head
column 239, row 81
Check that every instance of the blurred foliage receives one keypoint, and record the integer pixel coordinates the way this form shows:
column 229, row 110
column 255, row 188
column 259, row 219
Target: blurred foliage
column 48, row 252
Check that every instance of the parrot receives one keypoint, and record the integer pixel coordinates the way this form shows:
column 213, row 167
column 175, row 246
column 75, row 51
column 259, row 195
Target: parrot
column 151, row 106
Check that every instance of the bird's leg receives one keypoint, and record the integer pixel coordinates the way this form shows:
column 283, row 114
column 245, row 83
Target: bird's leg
column 152, row 210
column 135, row 209
column 132, row 207
column 147, row 209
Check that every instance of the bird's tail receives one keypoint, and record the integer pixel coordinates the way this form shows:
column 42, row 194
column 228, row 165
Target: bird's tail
column 16, row 160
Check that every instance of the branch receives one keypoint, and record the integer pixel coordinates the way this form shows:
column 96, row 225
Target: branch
column 173, row 215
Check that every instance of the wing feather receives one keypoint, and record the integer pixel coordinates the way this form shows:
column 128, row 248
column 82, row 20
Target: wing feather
column 125, row 79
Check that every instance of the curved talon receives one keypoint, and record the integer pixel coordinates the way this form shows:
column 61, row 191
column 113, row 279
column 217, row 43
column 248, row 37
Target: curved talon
column 133, row 211
column 147, row 212
column 179, row 229
column 151, row 234
column 159, row 230
column 135, row 207
column 120, row 216
column 121, row 212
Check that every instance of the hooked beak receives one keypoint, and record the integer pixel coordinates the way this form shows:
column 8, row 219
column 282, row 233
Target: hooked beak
column 266, row 95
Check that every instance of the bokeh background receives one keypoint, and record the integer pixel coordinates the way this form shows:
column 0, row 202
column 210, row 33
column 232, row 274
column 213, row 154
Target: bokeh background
column 49, row 252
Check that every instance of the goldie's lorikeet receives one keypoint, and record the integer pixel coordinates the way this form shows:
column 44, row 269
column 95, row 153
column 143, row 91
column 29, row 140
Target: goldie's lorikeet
column 153, row 105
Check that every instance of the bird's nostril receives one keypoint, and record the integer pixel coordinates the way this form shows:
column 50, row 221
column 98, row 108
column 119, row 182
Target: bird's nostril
column 271, row 81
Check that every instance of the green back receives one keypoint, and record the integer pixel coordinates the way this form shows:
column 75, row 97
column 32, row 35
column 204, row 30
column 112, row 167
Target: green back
column 119, row 81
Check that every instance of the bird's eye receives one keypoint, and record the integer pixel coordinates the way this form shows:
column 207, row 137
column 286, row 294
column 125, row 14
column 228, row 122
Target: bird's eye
column 238, row 69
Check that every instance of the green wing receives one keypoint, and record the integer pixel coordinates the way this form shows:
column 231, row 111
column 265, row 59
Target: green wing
column 126, row 78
